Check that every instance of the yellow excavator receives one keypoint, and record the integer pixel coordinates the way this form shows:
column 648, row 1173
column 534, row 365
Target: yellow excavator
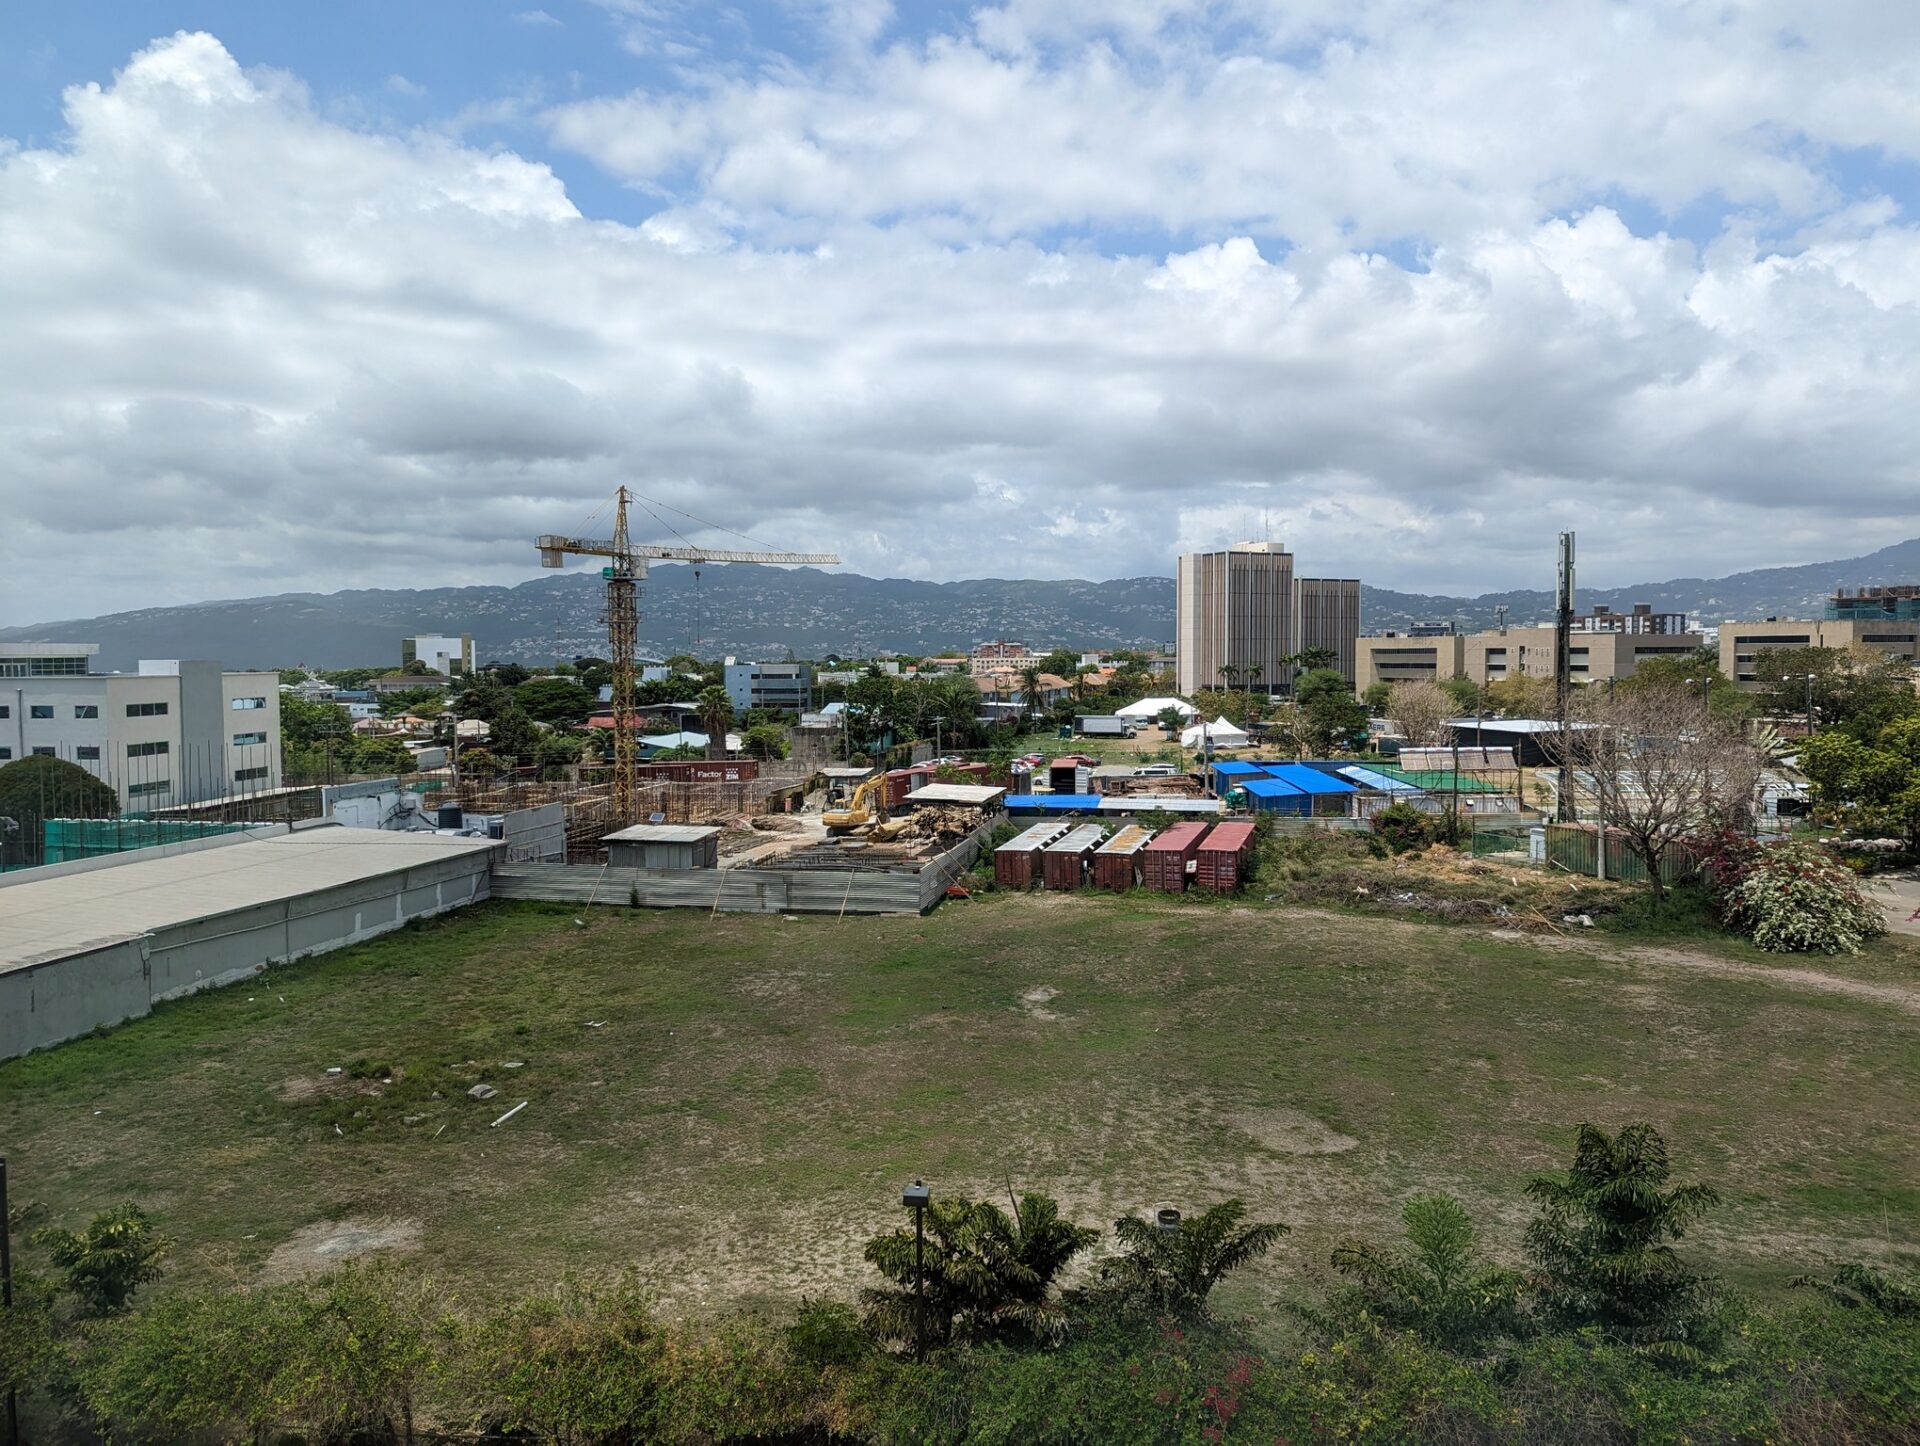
column 866, row 809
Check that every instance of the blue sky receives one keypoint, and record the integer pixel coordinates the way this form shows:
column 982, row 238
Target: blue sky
column 1080, row 282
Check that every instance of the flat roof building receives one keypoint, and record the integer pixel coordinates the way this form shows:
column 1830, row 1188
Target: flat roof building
column 787, row 687
column 175, row 731
column 1241, row 612
column 1605, row 644
column 443, row 654
column 1742, row 643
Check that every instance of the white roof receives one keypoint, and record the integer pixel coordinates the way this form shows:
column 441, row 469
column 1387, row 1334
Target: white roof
column 974, row 795
column 48, row 918
column 1220, row 731
column 1154, row 707
column 663, row 833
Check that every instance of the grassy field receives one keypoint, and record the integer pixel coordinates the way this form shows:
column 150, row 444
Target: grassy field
column 731, row 1104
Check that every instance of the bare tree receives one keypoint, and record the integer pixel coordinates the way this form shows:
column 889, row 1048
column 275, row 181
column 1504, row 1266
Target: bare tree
column 1656, row 765
column 1420, row 711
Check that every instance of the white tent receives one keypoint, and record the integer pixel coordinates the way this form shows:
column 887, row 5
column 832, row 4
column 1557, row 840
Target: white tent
column 1220, row 733
column 1148, row 709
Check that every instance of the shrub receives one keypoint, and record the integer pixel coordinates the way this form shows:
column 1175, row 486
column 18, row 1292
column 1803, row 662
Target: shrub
column 1176, row 1270
column 1796, row 898
column 106, row 1263
column 1437, row 1287
column 1402, row 827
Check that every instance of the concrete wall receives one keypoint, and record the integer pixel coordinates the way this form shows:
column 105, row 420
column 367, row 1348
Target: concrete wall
column 44, row 1004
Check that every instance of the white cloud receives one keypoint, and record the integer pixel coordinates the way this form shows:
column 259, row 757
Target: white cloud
column 249, row 349
column 536, row 17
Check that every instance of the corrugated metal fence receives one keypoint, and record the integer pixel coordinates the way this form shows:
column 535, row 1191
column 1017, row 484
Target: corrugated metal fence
column 1575, row 847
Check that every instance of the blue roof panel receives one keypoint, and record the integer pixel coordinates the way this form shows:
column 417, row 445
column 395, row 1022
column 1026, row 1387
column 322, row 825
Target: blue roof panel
column 1271, row 788
column 1309, row 780
column 1232, row 766
column 1379, row 782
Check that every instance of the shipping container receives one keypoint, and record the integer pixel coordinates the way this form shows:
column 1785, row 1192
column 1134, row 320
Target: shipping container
column 1164, row 861
column 1014, row 861
column 1064, row 863
column 1116, row 863
column 1221, row 863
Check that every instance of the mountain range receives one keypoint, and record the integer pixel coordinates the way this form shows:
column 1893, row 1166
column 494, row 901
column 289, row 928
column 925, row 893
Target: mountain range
column 771, row 613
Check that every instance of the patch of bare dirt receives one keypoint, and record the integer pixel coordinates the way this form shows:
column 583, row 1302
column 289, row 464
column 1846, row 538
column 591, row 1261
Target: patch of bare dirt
column 1036, row 999
column 1292, row 1132
column 299, row 1087
column 328, row 1243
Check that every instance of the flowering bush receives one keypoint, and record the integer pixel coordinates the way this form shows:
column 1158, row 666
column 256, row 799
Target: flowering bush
column 1795, row 898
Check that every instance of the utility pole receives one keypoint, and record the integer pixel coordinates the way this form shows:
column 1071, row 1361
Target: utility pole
column 1563, row 677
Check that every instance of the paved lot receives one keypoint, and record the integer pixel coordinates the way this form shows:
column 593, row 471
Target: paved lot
column 1899, row 895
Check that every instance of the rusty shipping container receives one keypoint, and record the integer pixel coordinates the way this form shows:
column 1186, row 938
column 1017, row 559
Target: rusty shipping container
column 1164, row 861
column 1064, row 864
column 1015, row 861
column 699, row 770
column 1220, row 864
column 1116, row 863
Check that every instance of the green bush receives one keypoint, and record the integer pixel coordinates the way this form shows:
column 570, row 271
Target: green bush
column 106, row 1263
column 1402, row 827
column 1796, row 898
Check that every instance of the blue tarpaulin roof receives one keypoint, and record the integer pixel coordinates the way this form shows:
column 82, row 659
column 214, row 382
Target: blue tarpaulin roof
column 1235, row 766
column 1379, row 782
column 1054, row 802
column 1309, row 780
column 1271, row 788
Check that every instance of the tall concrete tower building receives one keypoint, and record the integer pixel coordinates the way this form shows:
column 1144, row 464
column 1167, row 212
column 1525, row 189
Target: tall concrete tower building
column 1243, row 608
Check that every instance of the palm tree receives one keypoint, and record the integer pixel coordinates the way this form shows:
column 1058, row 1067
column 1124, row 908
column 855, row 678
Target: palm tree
column 716, row 712
column 1439, row 1288
column 1030, row 687
column 1176, row 1269
column 1228, row 672
column 1601, row 1242
column 1254, row 670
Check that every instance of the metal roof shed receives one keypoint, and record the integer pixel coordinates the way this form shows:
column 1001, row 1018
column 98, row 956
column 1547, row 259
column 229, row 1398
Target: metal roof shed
column 1378, row 782
column 1053, row 803
column 1276, row 795
column 967, row 795
column 663, row 846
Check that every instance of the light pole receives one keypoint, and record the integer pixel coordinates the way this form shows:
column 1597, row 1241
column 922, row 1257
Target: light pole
column 938, row 751
column 1810, row 705
column 917, row 1196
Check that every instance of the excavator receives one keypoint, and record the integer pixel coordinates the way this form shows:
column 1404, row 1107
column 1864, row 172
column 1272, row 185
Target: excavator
column 866, row 809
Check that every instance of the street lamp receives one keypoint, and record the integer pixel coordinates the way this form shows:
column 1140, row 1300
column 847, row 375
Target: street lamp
column 938, row 751
column 917, row 1197
column 1810, row 705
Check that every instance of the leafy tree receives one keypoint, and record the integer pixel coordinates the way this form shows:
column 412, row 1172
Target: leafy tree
column 1172, row 722
column 510, row 733
column 1061, row 663
column 987, row 1276
column 423, row 702
column 1438, row 1286
column 1176, row 1270
column 679, row 753
column 1464, row 695
column 1602, row 1244
column 554, row 700
column 716, row 712
column 417, row 669
column 304, row 723
column 764, row 741
column 555, row 751
column 1375, row 697
column 379, row 755
column 1522, row 695
column 1856, row 690
column 593, row 673
column 509, row 675
column 1693, row 670
column 351, row 679
column 1332, row 716
column 1401, row 826
column 36, row 788
column 104, row 1265
column 872, row 708
column 1872, row 787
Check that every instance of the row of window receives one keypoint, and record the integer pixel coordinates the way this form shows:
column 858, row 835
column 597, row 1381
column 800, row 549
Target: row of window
column 241, row 704
column 143, row 790
column 247, row 740
column 146, row 710
column 146, row 750
column 248, row 775
column 45, row 710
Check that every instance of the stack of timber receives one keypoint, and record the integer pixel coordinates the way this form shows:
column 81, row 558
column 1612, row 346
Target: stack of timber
column 1165, row 860
column 1222, row 862
column 1014, row 861
column 1064, row 863
column 1116, row 863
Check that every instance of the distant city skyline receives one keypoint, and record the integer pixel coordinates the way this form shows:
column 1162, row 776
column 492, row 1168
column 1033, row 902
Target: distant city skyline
column 369, row 295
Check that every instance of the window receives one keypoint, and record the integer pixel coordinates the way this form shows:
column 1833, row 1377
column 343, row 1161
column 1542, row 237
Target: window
column 146, row 750
column 40, row 710
column 86, row 710
column 240, row 704
column 5, row 711
column 146, row 710
column 248, row 740
column 140, row 790
column 87, row 753
column 67, row 667
column 248, row 775
column 43, row 753
column 1798, row 640
column 6, row 753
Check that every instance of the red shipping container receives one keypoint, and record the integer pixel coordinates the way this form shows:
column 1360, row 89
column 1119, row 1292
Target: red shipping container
column 1016, row 862
column 1116, row 863
column 1164, row 861
column 1221, row 861
column 1064, row 864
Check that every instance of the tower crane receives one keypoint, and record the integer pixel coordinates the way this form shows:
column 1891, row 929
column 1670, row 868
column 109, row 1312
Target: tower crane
column 626, row 568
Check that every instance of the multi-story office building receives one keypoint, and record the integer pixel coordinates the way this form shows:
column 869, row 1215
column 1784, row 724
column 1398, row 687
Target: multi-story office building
column 999, row 657
column 172, row 732
column 786, row 686
column 448, row 655
column 1243, row 609
column 1605, row 644
column 1742, row 643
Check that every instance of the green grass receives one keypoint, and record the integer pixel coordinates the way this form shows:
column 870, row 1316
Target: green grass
column 759, row 1089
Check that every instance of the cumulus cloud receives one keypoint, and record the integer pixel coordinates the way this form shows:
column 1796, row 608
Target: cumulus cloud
column 251, row 349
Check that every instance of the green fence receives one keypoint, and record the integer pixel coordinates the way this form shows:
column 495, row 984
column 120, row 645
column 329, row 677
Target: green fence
column 1576, row 848
column 66, row 839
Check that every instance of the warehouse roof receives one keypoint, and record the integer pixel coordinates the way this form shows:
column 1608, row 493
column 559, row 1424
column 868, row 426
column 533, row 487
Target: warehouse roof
column 57, row 914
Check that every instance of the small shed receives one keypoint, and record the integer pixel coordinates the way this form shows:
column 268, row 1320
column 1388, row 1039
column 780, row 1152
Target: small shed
column 1116, row 863
column 1275, row 795
column 1221, row 862
column 1013, row 861
column 1164, row 860
column 1064, row 862
column 966, row 795
column 664, row 846
column 842, row 780
column 1331, row 794
column 1228, row 772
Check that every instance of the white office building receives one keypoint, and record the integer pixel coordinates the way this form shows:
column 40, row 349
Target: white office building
column 786, row 686
column 172, row 732
column 448, row 655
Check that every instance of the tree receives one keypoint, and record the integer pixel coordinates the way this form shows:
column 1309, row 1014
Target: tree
column 425, row 702
column 1332, row 716
column 986, row 1276
column 1857, row 690
column 1699, row 670
column 554, row 700
column 1601, row 1243
column 1420, row 710
column 1522, row 695
column 36, row 788
column 1310, row 660
column 379, row 755
column 510, row 733
column 872, row 708
column 1254, row 670
column 510, row 675
column 1172, row 722
column 1438, row 1287
column 106, row 1263
column 555, row 751
column 304, row 723
column 716, row 712
column 1029, row 673
column 1659, row 768
column 1869, row 788
column 764, row 741
column 1176, row 1270
column 1375, row 697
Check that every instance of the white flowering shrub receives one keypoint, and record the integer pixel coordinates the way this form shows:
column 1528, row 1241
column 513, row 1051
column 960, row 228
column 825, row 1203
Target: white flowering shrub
column 1797, row 899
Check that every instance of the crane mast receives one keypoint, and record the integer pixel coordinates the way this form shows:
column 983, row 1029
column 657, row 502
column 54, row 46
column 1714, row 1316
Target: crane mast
column 626, row 567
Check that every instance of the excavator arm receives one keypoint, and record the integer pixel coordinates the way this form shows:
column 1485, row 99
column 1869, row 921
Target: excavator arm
column 868, row 805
